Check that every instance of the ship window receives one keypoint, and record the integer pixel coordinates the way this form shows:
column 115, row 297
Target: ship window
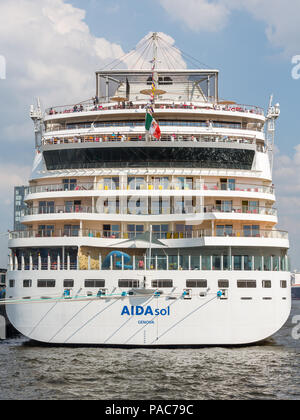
column 251, row 230
column 196, row 283
column 46, row 207
column 162, row 283
column 224, row 230
column 162, row 80
column 149, row 80
column 160, row 231
column 246, row 284
column 129, row 283
column 136, row 183
column 68, row 283
column 223, row 284
column 94, row 283
column 247, row 262
column 283, row 284
column 46, row 230
column 257, row 263
column 216, row 262
column 227, row 184
column 266, row 284
column 237, row 262
column 69, row 184
column 135, row 230
column 27, row 283
column 206, row 262
column 165, row 80
column 71, row 230
column 46, row 283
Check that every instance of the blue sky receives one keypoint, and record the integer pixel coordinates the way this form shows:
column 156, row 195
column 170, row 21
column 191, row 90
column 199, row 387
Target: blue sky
column 53, row 47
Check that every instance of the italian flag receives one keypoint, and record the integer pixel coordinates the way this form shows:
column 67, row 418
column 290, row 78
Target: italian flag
column 152, row 126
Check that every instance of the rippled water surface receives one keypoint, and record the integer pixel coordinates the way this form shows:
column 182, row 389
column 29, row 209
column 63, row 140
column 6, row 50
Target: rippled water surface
column 267, row 371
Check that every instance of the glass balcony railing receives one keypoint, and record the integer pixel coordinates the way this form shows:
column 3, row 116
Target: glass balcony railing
column 101, row 234
column 139, row 184
column 155, row 210
column 142, row 138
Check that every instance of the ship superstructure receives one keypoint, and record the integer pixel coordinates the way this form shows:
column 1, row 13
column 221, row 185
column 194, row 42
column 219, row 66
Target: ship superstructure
column 134, row 240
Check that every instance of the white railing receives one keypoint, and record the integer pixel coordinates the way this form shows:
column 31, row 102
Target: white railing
column 89, row 106
column 193, row 234
column 138, row 185
column 113, row 208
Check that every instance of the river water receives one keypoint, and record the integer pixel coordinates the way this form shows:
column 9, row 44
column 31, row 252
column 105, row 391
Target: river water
column 267, row 371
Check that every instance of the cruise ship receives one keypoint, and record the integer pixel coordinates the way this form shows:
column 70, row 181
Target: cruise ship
column 153, row 236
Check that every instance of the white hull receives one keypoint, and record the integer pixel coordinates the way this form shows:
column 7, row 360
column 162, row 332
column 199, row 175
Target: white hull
column 199, row 321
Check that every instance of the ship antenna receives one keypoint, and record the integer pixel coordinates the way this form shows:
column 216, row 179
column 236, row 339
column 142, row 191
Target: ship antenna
column 37, row 117
column 273, row 114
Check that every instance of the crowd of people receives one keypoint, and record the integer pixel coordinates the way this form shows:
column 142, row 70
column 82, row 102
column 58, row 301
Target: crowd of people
column 94, row 105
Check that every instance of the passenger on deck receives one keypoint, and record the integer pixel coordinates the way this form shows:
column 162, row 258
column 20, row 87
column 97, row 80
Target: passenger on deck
column 2, row 292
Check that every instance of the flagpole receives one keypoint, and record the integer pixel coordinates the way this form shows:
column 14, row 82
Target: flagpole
column 154, row 39
column 150, row 107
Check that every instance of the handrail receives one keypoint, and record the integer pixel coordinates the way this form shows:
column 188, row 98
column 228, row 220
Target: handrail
column 100, row 234
column 169, row 124
column 98, row 138
column 142, row 138
column 167, row 210
column 132, row 186
column 166, row 103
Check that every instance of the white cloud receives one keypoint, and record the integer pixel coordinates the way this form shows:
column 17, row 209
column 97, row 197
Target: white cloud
column 50, row 52
column 198, row 15
column 281, row 18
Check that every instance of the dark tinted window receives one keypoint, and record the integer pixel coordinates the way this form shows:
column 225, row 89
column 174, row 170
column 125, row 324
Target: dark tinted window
column 68, row 283
column 27, row 283
column 223, row 284
column 162, row 283
column 94, row 283
column 242, row 284
column 196, row 283
column 107, row 157
column 46, row 283
column 128, row 283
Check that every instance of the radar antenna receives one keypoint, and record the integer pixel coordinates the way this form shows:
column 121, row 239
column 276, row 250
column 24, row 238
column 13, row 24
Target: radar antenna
column 273, row 114
column 37, row 117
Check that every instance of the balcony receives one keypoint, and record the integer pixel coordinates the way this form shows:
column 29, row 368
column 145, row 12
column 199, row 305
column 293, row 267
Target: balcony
column 154, row 211
column 201, row 138
column 202, row 258
column 100, row 234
